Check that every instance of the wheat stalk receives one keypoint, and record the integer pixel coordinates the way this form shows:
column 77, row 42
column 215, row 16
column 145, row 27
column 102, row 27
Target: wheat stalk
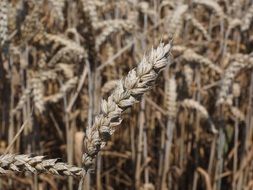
column 128, row 91
column 37, row 164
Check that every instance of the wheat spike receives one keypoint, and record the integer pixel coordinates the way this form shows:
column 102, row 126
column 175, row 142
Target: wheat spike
column 32, row 25
column 198, row 26
column 37, row 164
column 238, row 62
column 70, row 84
column 23, row 99
column 38, row 93
column 89, row 7
column 128, row 91
column 213, row 5
column 58, row 6
column 113, row 28
column 127, row 24
column 247, row 19
column 3, row 21
column 191, row 56
column 237, row 114
column 188, row 73
column 176, row 21
column 192, row 104
column 171, row 97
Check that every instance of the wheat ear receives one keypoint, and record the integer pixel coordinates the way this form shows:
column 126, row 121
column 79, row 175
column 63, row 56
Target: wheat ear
column 37, row 164
column 128, row 91
column 247, row 19
column 213, row 5
column 192, row 104
column 3, row 21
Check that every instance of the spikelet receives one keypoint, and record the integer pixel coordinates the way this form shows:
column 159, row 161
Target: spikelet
column 36, row 165
column 213, row 5
column 176, row 21
column 247, row 19
column 171, row 97
column 198, row 26
column 3, row 21
column 128, row 91
column 191, row 56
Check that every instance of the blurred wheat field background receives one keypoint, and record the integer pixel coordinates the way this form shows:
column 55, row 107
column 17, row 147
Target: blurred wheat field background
column 126, row 94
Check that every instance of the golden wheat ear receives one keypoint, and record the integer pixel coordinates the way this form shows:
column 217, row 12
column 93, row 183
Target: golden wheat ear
column 128, row 91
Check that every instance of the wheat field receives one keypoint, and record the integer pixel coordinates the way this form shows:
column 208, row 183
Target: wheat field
column 126, row 94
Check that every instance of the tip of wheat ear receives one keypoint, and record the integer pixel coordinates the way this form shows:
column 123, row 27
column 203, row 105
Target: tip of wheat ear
column 128, row 91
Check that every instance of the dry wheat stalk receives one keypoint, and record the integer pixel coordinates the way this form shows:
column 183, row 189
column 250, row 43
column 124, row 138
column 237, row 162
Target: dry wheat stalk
column 128, row 91
column 37, row 164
